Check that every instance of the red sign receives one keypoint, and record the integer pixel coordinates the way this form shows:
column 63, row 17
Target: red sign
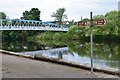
column 99, row 22
column 83, row 23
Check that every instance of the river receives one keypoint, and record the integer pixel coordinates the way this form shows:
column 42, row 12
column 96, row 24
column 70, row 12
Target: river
column 105, row 54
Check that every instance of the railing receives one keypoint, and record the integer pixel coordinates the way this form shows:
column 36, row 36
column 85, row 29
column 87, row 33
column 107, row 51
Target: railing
column 7, row 24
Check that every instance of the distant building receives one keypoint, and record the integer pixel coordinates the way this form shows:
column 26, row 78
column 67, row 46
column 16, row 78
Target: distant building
column 63, row 22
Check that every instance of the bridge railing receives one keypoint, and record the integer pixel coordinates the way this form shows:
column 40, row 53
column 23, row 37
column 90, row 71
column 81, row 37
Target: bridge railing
column 7, row 24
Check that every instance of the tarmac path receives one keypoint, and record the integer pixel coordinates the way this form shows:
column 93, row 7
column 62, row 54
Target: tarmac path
column 19, row 67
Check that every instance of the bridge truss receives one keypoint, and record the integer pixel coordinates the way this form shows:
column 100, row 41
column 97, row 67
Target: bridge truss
column 16, row 24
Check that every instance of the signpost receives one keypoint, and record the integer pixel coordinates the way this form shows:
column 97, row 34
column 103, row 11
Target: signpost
column 91, row 41
column 83, row 23
column 99, row 22
column 91, row 23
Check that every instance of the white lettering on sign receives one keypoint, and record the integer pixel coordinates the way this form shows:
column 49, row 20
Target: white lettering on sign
column 99, row 22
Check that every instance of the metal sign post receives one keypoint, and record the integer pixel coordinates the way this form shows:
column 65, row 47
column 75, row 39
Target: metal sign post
column 98, row 22
column 91, row 41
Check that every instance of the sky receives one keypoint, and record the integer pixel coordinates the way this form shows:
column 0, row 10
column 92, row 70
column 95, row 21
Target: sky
column 74, row 8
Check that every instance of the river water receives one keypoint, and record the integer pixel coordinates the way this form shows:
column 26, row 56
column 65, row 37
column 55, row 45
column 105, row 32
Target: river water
column 105, row 55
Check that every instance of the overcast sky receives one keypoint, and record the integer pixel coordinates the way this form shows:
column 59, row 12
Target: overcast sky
column 74, row 8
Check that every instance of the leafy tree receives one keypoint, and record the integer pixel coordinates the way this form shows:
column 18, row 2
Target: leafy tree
column 57, row 36
column 72, row 22
column 2, row 15
column 99, row 17
column 74, row 32
column 97, row 30
column 59, row 15
column 112, row 27
column 33, row 14
column 85, row 19
column 25, row 15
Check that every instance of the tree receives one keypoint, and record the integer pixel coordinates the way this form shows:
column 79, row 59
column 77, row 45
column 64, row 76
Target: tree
column 33, row 14
column 2, row 15
column 85, row 20
column 72, row 22
column 59, row 15
column 98, row 17
column 112, row 21
column 97, row 30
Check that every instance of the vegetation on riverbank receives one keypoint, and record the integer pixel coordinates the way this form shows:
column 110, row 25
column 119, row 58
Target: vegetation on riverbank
column 78, row 33
column 108, row 32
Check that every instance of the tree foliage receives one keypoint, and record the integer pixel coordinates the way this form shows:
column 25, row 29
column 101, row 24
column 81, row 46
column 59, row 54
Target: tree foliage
column 33, row 14
column 3, row 15
column 59, row 15
column 71, row 23
column 57, row 36
column 112, row 27
column 85, row 19
column 99, row 17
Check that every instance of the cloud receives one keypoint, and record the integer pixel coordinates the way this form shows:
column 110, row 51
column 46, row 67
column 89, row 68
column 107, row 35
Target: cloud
column 74, row 8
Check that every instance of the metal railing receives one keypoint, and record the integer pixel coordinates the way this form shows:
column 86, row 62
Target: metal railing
column 8, row 24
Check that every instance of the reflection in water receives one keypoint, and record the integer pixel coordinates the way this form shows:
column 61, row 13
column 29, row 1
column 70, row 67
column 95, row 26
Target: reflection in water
column 21, row 46
column 104, row 55
column 65, row 54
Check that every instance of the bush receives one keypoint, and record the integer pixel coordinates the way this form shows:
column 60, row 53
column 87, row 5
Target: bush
column 46, row 35
column 58, row 36
column 76, row 32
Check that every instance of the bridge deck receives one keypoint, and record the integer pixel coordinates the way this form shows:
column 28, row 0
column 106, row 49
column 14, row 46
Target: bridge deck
column 30, row 25
column 32, row 28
